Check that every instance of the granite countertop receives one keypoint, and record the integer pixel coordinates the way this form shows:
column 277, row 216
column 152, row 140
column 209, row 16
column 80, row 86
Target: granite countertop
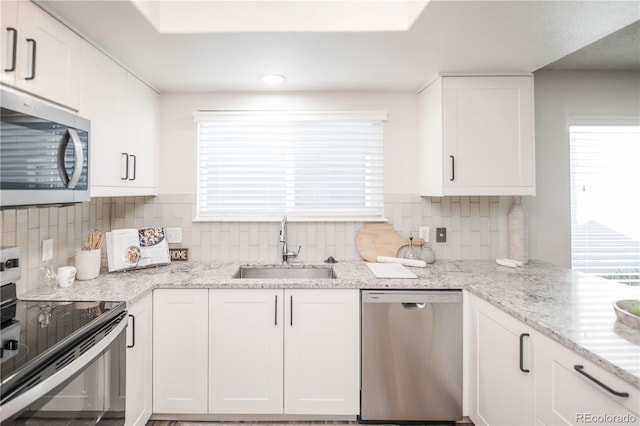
column 572, row 308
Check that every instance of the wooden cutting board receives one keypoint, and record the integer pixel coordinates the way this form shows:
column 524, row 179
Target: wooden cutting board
column 380, row 239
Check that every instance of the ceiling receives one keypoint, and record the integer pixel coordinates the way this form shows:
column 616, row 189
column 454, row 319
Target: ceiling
column 448, row 36
column 619, row 51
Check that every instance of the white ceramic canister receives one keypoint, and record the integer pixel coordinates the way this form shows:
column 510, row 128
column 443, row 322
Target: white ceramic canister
column 87, row 263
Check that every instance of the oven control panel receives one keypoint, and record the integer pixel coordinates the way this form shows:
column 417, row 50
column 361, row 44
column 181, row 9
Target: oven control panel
column 9, row 265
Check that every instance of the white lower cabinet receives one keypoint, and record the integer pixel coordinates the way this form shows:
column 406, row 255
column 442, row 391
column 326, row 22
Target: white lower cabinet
column 139, row 361
column 284, row 352
column 567, row 394
column 180, row 351
column 560, row 388
column 256, row 351
column 502, row 369
column 245, row 351
column 322, row 352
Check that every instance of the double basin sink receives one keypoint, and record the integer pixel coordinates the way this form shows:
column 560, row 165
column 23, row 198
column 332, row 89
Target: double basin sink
column 284, row 272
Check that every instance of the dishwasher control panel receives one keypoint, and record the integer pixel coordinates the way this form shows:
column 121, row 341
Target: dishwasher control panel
column 402, row 296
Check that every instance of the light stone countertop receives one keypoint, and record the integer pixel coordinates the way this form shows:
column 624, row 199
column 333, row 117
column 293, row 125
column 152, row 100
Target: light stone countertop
column 571, row 308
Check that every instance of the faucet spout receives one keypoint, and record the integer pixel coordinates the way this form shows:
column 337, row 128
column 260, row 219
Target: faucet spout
column 286, row 254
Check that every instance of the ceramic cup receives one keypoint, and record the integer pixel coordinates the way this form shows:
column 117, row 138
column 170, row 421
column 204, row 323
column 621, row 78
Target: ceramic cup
column 66, row 276
column 87, row 263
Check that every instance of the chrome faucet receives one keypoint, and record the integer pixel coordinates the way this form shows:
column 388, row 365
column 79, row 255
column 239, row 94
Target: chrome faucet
column 283, row 239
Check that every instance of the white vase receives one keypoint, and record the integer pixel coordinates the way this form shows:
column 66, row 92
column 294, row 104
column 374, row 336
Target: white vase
column 518, row 231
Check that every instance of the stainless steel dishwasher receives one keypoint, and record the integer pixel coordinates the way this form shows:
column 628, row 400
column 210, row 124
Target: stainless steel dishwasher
column 411, row 356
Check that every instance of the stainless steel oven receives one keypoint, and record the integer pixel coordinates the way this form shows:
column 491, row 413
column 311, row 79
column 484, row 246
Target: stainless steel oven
column 61, row 362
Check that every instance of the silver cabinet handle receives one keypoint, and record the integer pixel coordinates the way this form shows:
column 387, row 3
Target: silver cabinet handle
column 14, row 47
column 33, row 59
column 126, row 166
column 71, row 182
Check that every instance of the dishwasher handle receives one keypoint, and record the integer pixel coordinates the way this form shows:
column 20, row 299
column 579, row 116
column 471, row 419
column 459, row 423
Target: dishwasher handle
column 412, row 299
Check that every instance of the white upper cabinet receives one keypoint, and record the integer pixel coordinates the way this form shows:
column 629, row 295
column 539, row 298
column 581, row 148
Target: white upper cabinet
column 123, row 113
column 476, row 136
column 40, row 55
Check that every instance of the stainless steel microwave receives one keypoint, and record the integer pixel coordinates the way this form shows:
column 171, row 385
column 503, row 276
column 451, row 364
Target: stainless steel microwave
column 44, row 153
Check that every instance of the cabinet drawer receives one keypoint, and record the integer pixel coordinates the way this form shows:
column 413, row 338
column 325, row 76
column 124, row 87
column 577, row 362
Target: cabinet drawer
column 576, row 397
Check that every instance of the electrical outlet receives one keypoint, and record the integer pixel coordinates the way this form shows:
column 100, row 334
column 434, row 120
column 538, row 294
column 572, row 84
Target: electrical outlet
column 47, row 250
column 423, row 232
column 174, row 235
column 441, row 235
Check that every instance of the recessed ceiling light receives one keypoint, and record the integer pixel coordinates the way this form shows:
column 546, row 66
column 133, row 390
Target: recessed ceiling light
column 273, row 78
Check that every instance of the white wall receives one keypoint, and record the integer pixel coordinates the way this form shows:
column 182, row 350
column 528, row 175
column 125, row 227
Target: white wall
column 178, row 131
column 560, row 95
column 475, row 225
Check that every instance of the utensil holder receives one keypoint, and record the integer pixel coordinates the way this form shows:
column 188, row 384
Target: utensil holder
column 87, row 263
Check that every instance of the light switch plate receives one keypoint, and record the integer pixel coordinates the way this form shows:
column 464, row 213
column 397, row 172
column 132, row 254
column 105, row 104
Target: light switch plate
column 174, row 235
column 47, row 250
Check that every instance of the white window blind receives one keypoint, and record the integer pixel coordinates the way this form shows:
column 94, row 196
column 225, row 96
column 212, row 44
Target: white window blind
column 305, row 165
column 605, row 201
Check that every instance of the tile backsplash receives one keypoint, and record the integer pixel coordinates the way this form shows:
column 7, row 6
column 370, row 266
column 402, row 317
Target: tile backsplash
column 67, row 226
column 476, row 229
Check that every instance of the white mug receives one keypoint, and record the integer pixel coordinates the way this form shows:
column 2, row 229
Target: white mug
column 66, row 276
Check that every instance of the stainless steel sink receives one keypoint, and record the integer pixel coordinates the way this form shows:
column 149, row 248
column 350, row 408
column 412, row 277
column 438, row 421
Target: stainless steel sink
column 284, row 272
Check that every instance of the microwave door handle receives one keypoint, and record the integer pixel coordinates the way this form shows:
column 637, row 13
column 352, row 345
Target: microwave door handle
column 79, row 155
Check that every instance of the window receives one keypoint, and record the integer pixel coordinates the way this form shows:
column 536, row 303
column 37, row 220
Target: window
column 605, row 205
column 262, row 165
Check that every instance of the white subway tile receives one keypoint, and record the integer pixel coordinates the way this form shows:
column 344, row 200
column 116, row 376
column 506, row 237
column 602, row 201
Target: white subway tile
column 484, row 231
column 484, row 206
column 445, row 207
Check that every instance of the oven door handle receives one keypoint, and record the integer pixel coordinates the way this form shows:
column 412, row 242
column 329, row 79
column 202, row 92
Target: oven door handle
column 21, row 401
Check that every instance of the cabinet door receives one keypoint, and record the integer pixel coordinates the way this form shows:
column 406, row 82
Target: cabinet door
column 123, row 113
column 246, row 351
column 488, row 135
column 504, row 393
column 180, row 345
column 322, row 352
column 103, row 101
column 564, row 396
column 8, row 41
column 56, row 51
column 139, row 362
column 140, row 137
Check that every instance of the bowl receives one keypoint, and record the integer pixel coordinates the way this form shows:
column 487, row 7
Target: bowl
column 622, row 312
